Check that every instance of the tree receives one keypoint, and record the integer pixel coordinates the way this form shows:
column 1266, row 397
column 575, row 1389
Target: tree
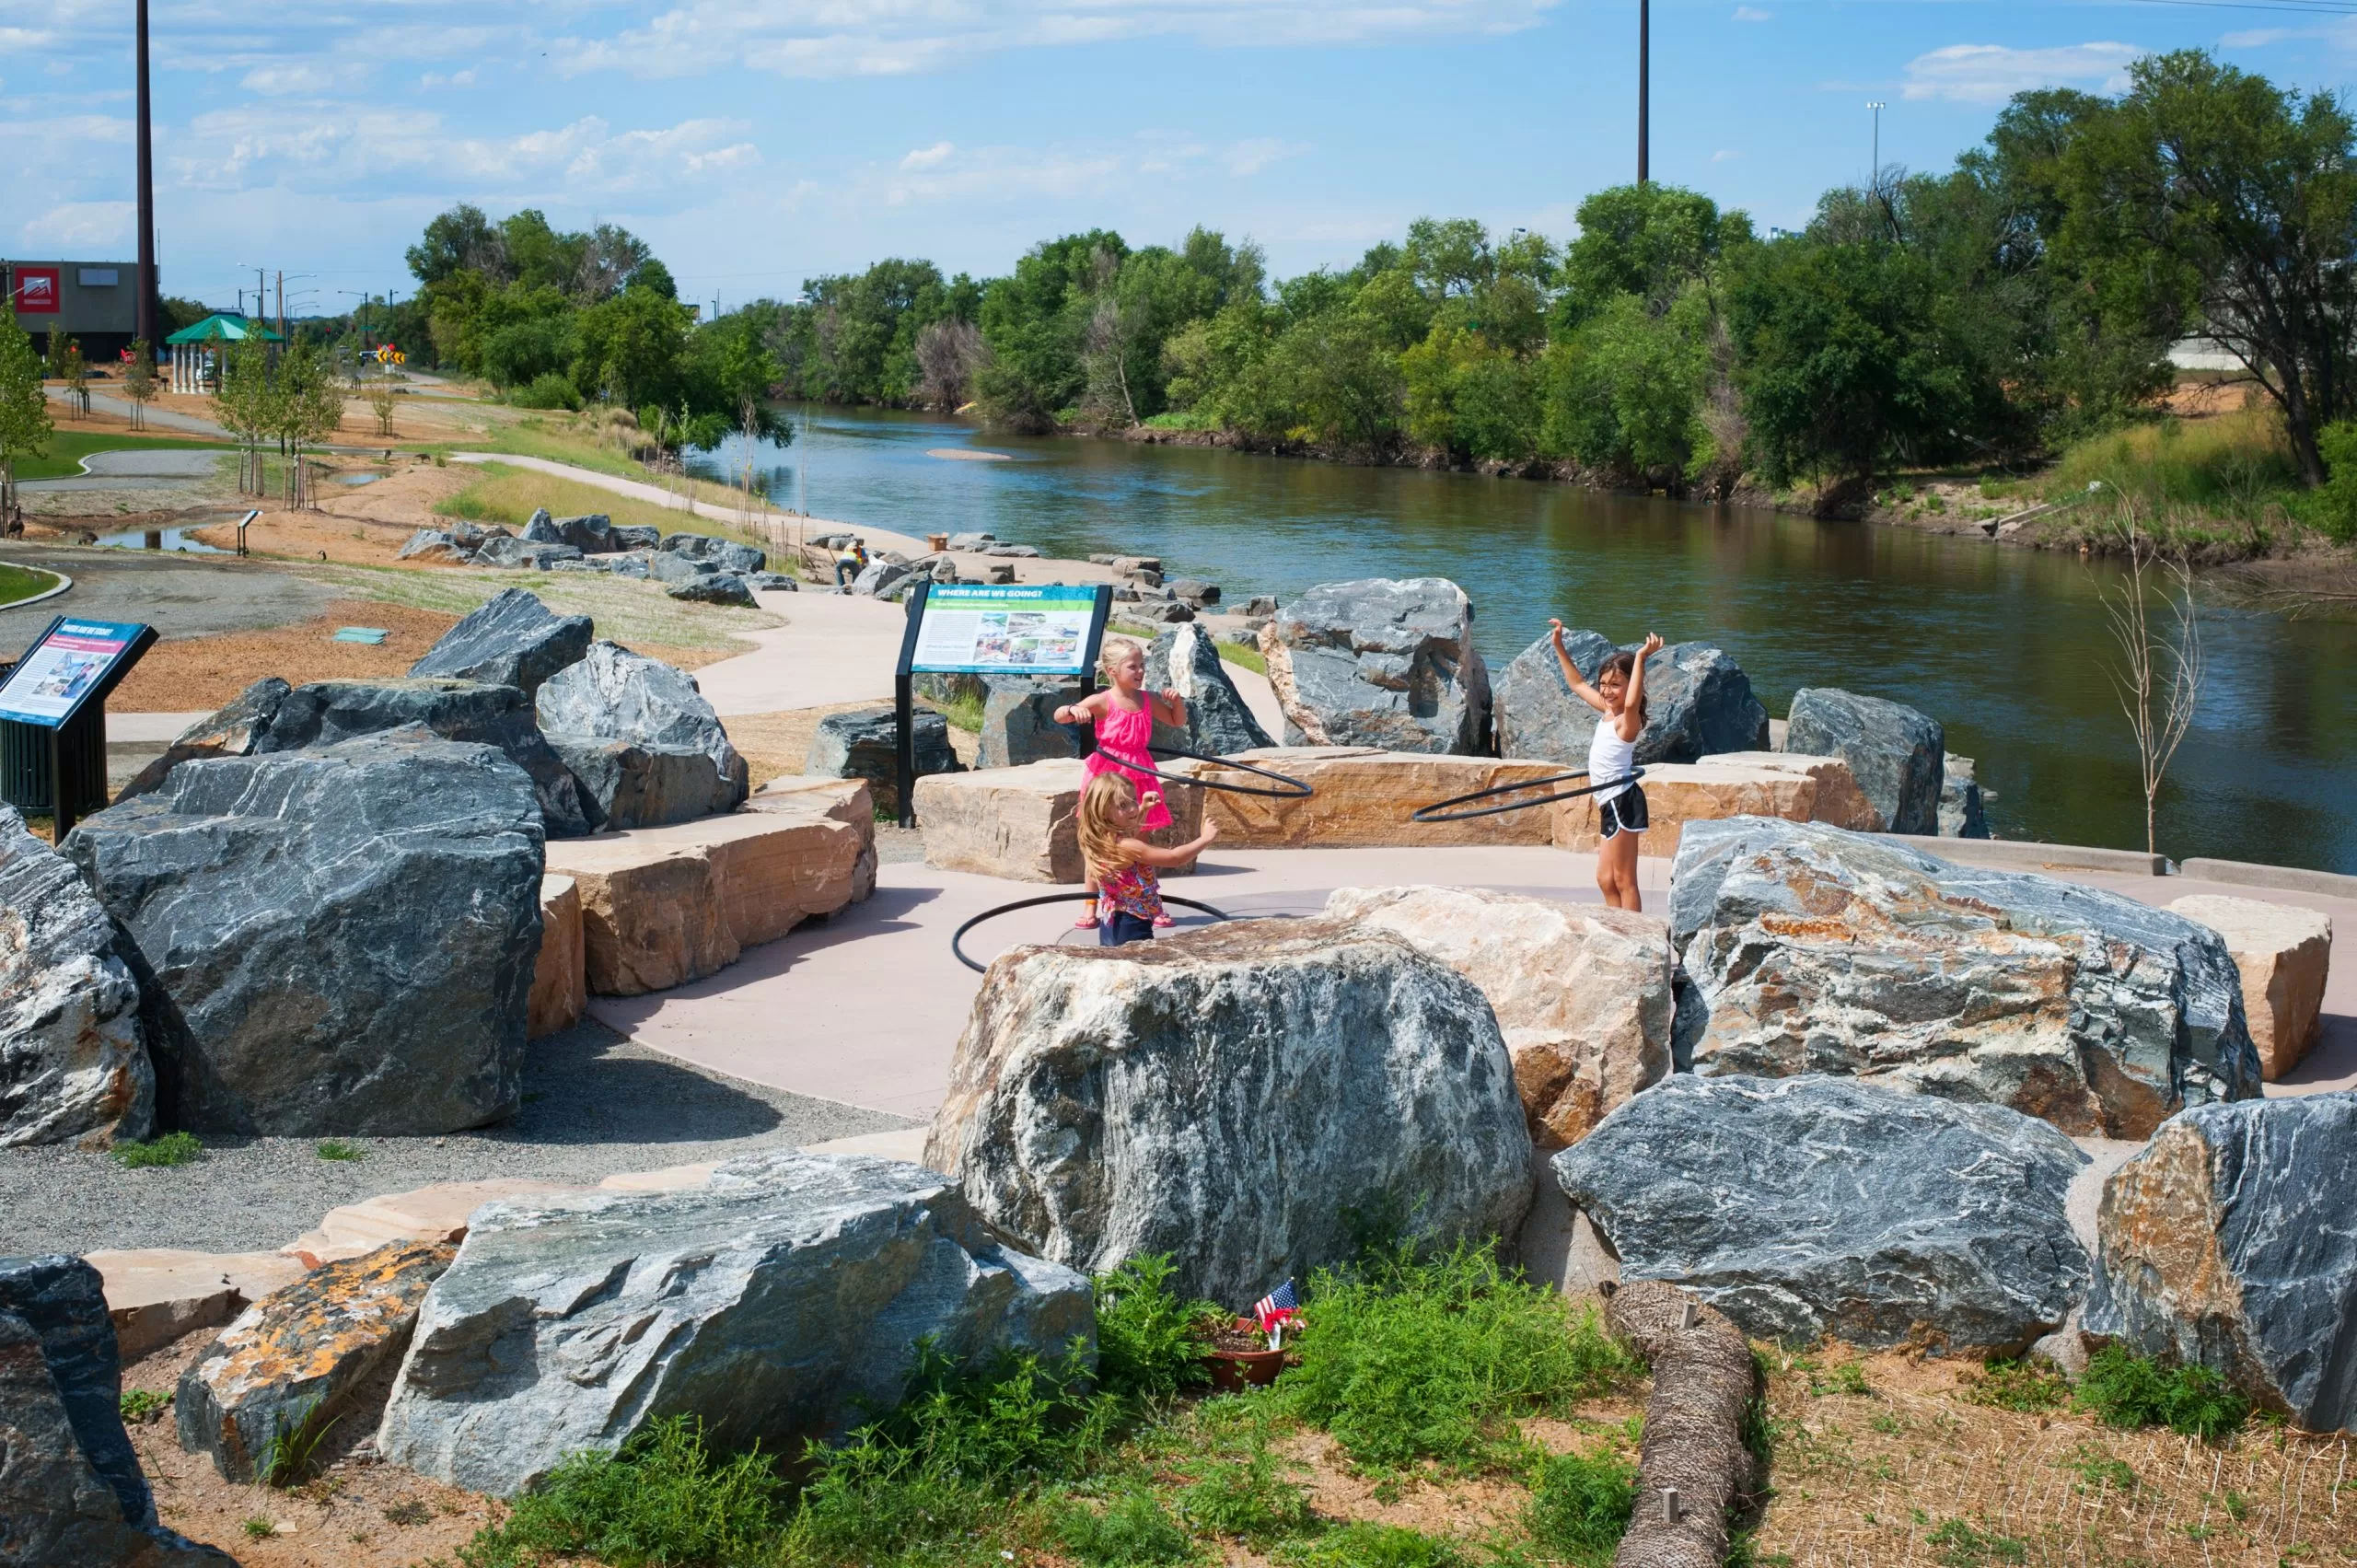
column 1033, row 322
column 245, row 401
column 380, row 395
column 25, row 425
column 305, row 408
column 77, row 378
column 949, row 355
column 139, row 382
column 1647, row 240
column 2227, row 205
column 2158, row 678
column 461, row 239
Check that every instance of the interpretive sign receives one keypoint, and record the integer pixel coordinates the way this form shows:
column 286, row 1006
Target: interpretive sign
column 1044, row 629
column 74, row 661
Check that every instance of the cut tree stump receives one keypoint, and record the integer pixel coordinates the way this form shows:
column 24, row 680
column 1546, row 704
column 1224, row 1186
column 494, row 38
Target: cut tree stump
column 1693, row 1466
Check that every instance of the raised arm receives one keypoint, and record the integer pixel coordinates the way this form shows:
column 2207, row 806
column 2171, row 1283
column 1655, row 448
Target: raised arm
column 1633, row 707
column 1145, row 853
column 1169, row 707
column 1571, row 677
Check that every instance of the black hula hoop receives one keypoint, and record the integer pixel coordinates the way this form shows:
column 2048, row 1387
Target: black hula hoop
column 1438, row 811
column 958, row 938
column 1299, row 790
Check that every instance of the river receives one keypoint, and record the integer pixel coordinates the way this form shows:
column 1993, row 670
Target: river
column 2008, row 648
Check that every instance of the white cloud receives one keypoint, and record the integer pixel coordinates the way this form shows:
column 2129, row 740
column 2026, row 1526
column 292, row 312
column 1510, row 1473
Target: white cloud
column 1753, row 14
column 929, row 157
column 2259, row 38
column 1248, row 158
column 300, row 78
column 1989, row 72
column 465, row 78
column 77, row 225
column 1724, row 154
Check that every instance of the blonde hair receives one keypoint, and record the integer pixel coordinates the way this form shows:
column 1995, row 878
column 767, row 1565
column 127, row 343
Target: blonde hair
column 1114, row 652
column 1108, row 797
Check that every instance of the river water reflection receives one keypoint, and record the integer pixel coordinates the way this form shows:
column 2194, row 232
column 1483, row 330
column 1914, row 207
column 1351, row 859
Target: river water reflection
column 2008, row 648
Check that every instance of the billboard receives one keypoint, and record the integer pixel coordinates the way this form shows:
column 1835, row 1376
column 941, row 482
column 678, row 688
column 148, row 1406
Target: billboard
column 38, row 293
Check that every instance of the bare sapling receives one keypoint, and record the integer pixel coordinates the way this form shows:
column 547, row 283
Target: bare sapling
column 2158, row 676
column 139, row 382
column 379, row 393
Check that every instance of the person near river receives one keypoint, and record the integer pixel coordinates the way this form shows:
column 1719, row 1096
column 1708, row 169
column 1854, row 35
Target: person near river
column 850, row 562
column 1618, row 696
column 1126, row 712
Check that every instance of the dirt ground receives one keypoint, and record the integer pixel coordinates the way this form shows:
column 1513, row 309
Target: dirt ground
column 359, row 525
column 187, row 673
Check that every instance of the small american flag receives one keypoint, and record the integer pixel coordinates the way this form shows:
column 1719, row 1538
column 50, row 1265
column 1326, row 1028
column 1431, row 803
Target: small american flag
column 1280, row 1301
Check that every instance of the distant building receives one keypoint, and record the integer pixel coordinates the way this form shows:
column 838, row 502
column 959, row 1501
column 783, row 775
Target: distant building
column 94, row 302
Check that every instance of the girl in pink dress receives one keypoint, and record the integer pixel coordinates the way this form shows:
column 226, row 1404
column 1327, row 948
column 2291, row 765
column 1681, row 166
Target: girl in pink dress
column 1125, row 713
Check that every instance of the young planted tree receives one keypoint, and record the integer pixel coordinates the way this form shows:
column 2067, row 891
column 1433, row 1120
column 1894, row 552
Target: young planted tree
column 245, row 398
column 24, row 415
column 2158, row 678
column 77, row 380
column 308, row 406
column 139, row 382
column 379, row 391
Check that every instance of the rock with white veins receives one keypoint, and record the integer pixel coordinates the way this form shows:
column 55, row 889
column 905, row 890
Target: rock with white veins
column 1806, row 1206
column 1242, row 1098
column 1582, row 994
column 783, row 1301
column 2227, row 1242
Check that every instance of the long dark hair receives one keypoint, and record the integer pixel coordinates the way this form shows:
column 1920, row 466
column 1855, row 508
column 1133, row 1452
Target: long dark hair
column 1625, row 663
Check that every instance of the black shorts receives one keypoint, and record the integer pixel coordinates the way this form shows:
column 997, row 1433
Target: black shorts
column 1626, row 811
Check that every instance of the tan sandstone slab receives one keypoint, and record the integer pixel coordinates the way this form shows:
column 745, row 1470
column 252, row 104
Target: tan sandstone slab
column 1795, row 787
column 848, row 801
column 560, row 981
column 1581, row 993
column 1364, row 797
column 662, row 906
column 1023, row 824
column 2284, row 954
column 155, row 1295
column 425, row 1214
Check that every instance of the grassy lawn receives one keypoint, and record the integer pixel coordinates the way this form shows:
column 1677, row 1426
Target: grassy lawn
column 1243, row 654
column 68, row 448
column 635, row 614
column 569, row 439
column 23, row 582
column 508, row 495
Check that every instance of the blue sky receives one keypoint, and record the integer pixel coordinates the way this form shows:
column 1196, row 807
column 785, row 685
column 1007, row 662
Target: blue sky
column 756, row 143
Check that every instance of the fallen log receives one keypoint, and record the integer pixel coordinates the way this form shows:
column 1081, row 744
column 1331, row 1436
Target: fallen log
column 1693, row 1465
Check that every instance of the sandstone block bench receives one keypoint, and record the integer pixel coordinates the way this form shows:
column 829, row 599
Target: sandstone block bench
column 1023, row 824
column 1791, row 786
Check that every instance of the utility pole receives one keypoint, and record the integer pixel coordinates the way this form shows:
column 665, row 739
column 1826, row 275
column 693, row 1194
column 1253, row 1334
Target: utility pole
column 149, row 297
column 282, row 303
column 1874, row 175
column 1644, row 89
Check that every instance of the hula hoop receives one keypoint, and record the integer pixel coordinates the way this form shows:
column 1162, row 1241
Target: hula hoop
column 1299, row 790
column 958, row 938
column 1438, row 811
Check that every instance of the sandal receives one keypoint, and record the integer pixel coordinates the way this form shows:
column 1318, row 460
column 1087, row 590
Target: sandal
column 1164, row 920
column 1085, row 922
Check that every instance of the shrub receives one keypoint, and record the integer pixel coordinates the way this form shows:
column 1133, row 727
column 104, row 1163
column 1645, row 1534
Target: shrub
column 1241, row 1489
column 339, row 1149
column 172, row 1148
column 2017, row 1385
column 547, row 391
column 1375, row 1546
column 1581, row 1506
column 1133, row 1529
column 662, row 1500
column 140, row 1406
column 1406, row 1360
column 2332, row 508
column 1147, row 1342
column 2132, row 1391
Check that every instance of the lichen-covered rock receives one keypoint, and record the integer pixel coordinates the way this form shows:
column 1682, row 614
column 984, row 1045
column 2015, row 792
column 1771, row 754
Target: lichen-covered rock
column 1581, row 993
column 1808, row 1206
column 72, row 1061
column 1962, row 810
column 1810, row 949
column 2283, row 954
column 1380, row 662
column 1219, row 723
column 597, row 711
column 510, row 639
column 326, row 712
column 1233, row 1096
column 331, row 941
column 1895, row 751
column 1698, row 703
column 231, row 732
column 261, row 1394
column 784, row 1300
column 2227, row 1242
column 864, row 744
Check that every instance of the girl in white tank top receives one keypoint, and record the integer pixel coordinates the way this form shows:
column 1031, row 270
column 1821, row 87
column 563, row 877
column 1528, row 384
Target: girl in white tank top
column 1617, row 695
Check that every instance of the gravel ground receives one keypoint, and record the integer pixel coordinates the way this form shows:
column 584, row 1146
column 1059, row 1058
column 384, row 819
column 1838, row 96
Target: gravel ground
column 595, row 1105
column 180, row 595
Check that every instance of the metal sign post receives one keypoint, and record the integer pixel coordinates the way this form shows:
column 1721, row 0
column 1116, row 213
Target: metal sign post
column 53, row 715
column 972, row 629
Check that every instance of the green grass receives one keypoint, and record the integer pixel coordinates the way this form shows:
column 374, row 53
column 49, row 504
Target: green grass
column 2132, row 1391
column 257, row 1527
column 1365, row 1545
column 1243, row 654
column 1134, row 1529
column 508, row 496
column 2019, row 1386
column 23, row 582
column 629, row 612
column 664, row 1499
column 142, row 1405
column 964, row 710
column 1962, row 1546
column 1580, row 1507
column 66, row 448
column 2096, row 1469
column 339, row 1149
column 1180, row 419
column 172, row 1148
column 1148, row 1340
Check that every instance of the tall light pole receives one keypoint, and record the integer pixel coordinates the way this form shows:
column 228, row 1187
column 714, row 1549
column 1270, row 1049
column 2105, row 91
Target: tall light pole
column 145, row 317
column 1643, row 88
column 1873, row 174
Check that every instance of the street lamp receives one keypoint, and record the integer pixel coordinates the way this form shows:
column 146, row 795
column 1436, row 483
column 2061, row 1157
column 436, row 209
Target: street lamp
column 1874, row 175
column 1644, row 89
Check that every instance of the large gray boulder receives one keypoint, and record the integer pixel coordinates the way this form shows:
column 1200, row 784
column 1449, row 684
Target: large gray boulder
column 1018, row 721
column 633, row 535
column 512, row 639
column 1219, row 724
column 506, row 549
column 541, row 528
column 72, row 1061
column 864, row 744
column 724, row 554
column 1699, row 703
column 1894, row 753
column 878, row 579
column 231, row 732
column 1253, row 1099
column 592, row 533
column 596, row 710
column 717, row 587
column 1810, row 949
column 784, row 1300
column 332, row 941
column 1808, row 1206
column 61, row 1303
column 666, row 567
column 1380, row 662
column 2226, row 1242
column 326, row 712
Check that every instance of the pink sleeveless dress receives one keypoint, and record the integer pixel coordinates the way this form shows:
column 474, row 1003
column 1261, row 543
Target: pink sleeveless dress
column 1122, row 739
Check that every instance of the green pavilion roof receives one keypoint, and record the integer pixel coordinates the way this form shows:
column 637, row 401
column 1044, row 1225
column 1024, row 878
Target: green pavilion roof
column 224, row 326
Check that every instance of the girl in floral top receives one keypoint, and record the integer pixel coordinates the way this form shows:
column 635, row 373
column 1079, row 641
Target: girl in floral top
column 1123, row 864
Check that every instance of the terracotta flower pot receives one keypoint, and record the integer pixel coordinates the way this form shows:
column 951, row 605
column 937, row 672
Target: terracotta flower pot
column 1235, row 1370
